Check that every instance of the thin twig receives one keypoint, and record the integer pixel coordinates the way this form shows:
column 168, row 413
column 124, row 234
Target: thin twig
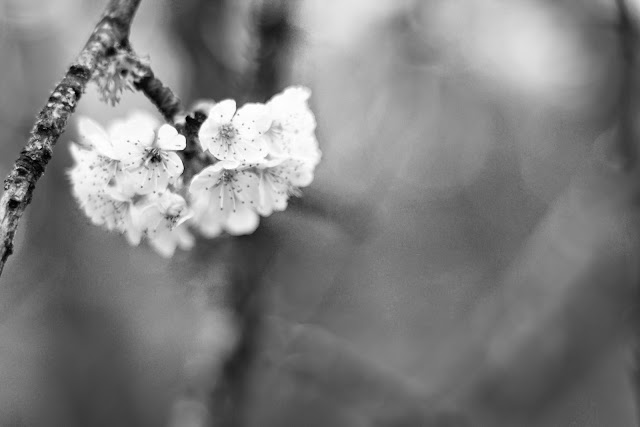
column 160, row 95
column 111, row 31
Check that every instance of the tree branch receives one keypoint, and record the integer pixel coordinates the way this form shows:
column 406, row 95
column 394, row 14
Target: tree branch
column 112, row 31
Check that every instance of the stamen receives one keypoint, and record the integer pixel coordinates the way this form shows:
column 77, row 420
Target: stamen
column 154, row 155
column 227, row 132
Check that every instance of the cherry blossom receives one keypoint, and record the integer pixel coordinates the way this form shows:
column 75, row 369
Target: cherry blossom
column 235, row 135
column 129, row 177
column 292, row 130
column 225, row 198
column 149, row 158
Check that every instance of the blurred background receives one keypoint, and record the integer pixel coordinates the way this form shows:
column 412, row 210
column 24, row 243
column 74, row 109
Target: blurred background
column 449, row 128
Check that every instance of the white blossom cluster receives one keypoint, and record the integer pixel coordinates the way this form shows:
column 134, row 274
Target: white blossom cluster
column 128, row 177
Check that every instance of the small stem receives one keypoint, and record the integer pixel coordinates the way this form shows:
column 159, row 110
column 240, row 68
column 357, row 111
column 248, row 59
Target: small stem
column 160, row 95
column 111, row 32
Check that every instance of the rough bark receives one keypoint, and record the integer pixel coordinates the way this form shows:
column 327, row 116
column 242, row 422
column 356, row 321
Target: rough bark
column 111, row 32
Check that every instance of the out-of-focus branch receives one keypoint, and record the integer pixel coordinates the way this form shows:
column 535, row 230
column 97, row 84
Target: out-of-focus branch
column 627, row 142
column 629, row 137
column 273, row 34
column 111, row 32
column 245, row 294
column 246, row 291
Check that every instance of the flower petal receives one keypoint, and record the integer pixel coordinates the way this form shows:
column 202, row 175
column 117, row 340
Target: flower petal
column 305, row 147
column 164, row 243
column 205, row 180
column 149, row 217
column 207, row 217
column 168, row 241
column 273, row 194
column 246, row 186
column 169, row 139
column 150, row 180
column 242, row 221
column 252, row 120
column 185, row 239
column 132, row 231
column 173, row 164
column 93, row 135
column 222, row 112
column 91, row 174
column 132, row 136
column 83, row 156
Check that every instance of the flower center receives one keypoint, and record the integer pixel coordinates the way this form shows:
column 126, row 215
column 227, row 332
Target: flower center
column 227, row 131
column 172, row 219
column 154, row 155
column 227, row 176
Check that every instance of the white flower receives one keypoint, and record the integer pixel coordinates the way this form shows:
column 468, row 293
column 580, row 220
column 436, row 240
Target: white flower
column 235, row 135
column 223, row 198
column 292, row 132
column 162, row 219
column 278, row 180
column 149, row 159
